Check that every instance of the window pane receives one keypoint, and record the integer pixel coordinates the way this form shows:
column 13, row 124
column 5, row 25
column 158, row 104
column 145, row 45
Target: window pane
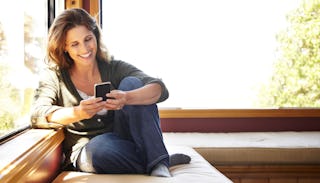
column 23, row 30
column 211, row 54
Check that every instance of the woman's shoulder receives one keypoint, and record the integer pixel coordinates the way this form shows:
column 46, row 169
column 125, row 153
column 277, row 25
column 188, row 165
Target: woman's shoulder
column 121, row 64
column 47, row 70
column 50, row 73
column 115, row 64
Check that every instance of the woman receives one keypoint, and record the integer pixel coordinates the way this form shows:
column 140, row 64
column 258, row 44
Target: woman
column 119, row 135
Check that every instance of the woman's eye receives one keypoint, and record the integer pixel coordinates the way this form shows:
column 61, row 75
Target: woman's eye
column 74, row 44
column 88, row 39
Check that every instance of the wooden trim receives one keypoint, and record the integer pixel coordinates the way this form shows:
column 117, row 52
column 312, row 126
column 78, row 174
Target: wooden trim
column 95, row 10
column 73, row 4
column 237, row 113
column 91, row 6
column 26, row 165
column 270, row 171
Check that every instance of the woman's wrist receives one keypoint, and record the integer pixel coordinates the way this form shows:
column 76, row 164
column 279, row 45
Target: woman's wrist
column 76, row 113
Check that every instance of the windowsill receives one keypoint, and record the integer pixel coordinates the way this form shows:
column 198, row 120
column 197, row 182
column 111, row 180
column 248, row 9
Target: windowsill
column 239, row 113
column 24, row 154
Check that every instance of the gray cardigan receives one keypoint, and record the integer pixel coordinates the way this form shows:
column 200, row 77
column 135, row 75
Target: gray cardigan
column 56, row 90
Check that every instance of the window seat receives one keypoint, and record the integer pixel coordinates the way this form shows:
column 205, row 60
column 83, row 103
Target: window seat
column 199, row 170
column 266, row 156
column 260, row 157
column 34, row 156
column 252, row 147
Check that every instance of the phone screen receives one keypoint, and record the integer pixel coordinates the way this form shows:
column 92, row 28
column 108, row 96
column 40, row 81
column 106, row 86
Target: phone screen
column 102, row 89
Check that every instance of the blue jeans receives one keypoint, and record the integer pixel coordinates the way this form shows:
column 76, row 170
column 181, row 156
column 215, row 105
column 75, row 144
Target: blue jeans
column 135, row 145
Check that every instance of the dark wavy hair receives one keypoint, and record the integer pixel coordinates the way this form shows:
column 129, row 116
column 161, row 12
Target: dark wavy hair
column 67, row 20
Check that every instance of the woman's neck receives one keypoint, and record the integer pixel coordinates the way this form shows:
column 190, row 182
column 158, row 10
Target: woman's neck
column 85, row 73
column 84, row 78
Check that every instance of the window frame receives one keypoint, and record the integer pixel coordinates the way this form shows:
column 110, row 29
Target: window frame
column 95, row 6
column 53, row 138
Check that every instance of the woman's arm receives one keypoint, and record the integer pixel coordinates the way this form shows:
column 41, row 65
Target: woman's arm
column 121, row 70
column 85, row 110
column 55, row 103
column 64, row 116
column 145, row 95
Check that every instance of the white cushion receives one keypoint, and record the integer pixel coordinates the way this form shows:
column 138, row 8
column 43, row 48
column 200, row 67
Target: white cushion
column 252, row 147
column 199, row 170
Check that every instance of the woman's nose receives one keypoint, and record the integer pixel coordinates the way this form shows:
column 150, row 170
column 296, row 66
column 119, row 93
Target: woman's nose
column 84, row 48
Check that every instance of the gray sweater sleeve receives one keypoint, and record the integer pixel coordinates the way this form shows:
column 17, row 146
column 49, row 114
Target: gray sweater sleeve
column 120, row 70
column 45, row 99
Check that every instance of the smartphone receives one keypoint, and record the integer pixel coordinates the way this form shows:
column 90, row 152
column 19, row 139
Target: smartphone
column 101, row 89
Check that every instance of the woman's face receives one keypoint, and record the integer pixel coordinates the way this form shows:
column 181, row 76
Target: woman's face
column 81, row 44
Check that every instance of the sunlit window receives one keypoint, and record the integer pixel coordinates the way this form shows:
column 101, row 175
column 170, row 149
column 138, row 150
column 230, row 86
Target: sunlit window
column 23, row 30
column 220, row 54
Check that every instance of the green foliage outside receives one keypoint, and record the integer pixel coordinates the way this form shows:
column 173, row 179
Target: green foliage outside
column 30, row 60
column 6, row 117
column 2, row 41
column 9, row 99
column 14, row 102
column 296, row 78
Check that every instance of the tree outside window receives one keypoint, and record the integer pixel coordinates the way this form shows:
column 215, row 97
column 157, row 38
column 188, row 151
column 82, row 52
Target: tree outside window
column 296, row 78
column 22, row 39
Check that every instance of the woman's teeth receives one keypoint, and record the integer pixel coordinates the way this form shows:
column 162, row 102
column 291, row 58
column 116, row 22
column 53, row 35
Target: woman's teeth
column 86, row 55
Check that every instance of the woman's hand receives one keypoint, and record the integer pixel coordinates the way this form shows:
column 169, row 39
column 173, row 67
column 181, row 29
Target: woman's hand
column 85, row 110
column 116, row 100
column 89, row 107
column 145, row 95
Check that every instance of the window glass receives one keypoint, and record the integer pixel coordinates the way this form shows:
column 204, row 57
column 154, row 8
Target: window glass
column 23, row 30
column 219, row 54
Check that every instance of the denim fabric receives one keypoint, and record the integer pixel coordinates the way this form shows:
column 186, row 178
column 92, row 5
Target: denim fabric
column 135, row 145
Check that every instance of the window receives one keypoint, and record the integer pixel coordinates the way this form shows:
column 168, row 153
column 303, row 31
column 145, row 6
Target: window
column 23, row 30
column 210, row 54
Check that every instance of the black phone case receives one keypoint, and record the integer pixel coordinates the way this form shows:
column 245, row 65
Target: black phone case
column 102, row 89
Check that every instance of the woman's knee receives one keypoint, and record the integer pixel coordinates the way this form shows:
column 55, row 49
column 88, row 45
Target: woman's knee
column 100, row 142
column 94, row 149
column 100, row 150
column 111, row 154
column 130, row 83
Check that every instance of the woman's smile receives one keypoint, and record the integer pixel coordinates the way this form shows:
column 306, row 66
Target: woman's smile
column 86, row 55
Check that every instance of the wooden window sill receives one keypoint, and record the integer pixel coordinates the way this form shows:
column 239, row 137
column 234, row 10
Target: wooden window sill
column 22, row 156
column 239, row 113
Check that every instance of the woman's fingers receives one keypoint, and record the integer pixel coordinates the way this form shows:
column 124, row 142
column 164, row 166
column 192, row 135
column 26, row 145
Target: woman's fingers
column 89, row 107
column 116, row 100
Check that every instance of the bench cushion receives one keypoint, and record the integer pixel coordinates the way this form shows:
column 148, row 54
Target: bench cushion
column 245, row 148
column 199, row 170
